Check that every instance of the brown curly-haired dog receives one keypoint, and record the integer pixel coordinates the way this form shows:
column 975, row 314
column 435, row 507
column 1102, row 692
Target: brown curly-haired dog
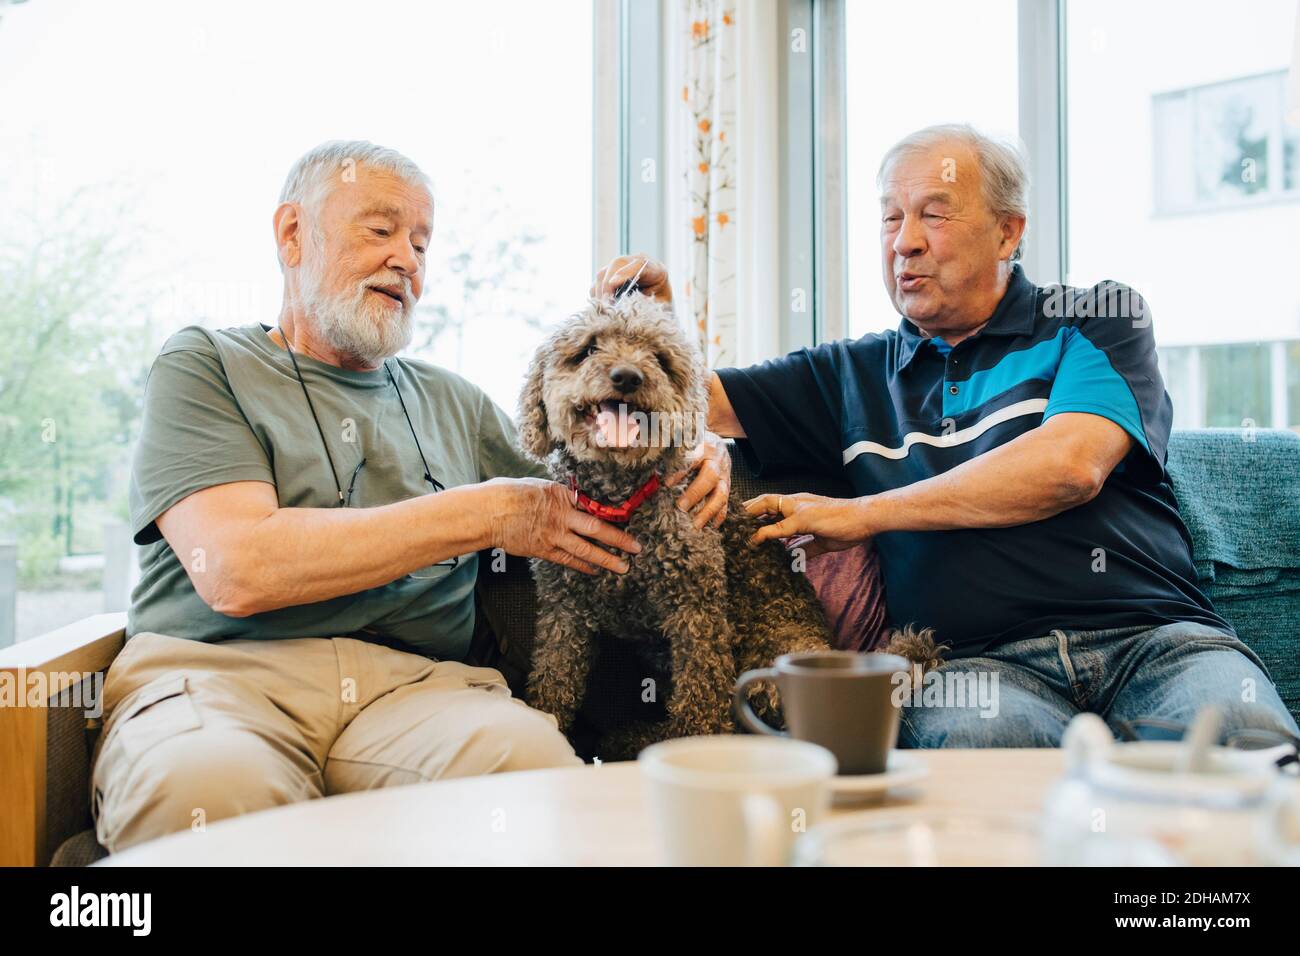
column 702, row 604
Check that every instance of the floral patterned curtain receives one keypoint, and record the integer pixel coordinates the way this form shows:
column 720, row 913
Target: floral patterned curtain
column 707, row 112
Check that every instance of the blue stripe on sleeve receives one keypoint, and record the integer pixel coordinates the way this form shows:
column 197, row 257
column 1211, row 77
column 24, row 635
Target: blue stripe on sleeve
column 1087, row 382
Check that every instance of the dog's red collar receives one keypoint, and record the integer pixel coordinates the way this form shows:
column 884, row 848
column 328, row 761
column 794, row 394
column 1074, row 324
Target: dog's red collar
column 618, row 514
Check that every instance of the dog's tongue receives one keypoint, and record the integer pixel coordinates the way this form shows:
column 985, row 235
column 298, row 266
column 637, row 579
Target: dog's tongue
column 617, row 429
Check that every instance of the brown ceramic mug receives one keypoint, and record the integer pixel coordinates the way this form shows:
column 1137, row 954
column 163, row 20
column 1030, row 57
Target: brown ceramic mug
column 841, row 700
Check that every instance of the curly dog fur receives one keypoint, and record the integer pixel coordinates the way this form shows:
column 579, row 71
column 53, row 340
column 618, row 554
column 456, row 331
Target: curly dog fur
column 701, row 604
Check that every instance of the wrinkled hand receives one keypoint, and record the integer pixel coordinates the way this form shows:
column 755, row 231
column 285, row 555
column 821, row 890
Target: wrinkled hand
column 834, row 523
column 535, row 518
column 711, row 462
column 653, row 281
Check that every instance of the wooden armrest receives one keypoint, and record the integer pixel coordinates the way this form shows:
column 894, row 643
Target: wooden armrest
column 31, row 673
column 87, row 645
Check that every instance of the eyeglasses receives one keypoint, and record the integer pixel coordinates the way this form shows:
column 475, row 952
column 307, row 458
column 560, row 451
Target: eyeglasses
column 420, row 574
column 1250, row 738
column 434, row 484
column 345, row 500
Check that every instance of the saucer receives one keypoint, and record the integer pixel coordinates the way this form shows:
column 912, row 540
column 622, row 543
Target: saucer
column 903, row 768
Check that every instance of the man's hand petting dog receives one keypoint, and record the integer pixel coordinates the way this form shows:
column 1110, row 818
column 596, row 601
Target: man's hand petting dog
column 711, row 462
column 834, row 523
column 652, row 279
column 535, row 518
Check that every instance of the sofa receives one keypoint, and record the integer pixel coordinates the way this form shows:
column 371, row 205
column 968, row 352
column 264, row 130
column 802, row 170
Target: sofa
column 1238, row 490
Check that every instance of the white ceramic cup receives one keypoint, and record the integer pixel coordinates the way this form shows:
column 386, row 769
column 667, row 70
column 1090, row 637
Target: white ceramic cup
column 734, row 801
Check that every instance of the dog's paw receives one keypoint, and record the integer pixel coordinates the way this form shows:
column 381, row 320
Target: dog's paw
column 919, row 647
column 624, row 743
column 562, row 708
column 698, row 726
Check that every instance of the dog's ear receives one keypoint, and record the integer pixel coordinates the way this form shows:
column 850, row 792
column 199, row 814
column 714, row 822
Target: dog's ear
column 534, row 435
column 691, row 372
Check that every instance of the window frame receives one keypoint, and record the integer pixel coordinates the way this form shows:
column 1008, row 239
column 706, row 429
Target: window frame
column 627, row 90
column 1044, row 126
column 630, row 214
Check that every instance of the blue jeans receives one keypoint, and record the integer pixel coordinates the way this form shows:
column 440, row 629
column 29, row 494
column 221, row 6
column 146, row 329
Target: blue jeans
column 1023, row 693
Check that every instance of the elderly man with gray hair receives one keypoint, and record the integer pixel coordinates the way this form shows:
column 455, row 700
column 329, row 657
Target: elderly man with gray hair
column 310, row 509
column 1008, row 445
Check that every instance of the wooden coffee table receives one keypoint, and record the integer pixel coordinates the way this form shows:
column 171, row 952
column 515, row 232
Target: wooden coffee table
column 582, row 816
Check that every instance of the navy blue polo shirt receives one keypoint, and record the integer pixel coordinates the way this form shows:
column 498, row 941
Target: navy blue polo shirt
column 890, row 409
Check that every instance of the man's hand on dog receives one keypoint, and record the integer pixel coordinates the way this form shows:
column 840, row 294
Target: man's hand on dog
column 834, row 523
column 653, row 280
column 535, row 518
column 711, row 462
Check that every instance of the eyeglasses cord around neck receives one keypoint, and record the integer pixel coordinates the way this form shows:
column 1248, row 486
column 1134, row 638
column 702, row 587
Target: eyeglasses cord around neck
column 428, row 475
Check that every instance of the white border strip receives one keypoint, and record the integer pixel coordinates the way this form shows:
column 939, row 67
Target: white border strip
column 1031, row 406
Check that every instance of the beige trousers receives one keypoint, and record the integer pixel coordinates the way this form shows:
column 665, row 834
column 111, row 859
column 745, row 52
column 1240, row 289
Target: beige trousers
column 197, row 732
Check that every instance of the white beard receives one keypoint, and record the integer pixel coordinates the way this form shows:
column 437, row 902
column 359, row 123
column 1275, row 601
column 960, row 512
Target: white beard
column 356, row 326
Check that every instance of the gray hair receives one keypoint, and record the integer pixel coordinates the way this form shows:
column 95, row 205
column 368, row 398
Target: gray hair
column 341, row 157
column 1004, row 175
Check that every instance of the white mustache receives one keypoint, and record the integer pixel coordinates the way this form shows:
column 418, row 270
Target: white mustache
column 392, row 280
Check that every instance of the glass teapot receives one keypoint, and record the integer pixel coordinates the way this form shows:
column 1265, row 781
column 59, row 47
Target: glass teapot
column 1170, row 802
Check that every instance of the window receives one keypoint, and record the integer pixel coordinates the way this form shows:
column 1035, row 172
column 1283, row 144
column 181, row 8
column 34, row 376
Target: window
column 1180, row 368
column 1224, row 143
column 961, row 68
column 1182, row 183
column 1236, row 385
column 143, row 147
column 1293, row 382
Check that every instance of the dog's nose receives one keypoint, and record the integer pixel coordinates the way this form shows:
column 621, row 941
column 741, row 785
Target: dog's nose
column 626, row 379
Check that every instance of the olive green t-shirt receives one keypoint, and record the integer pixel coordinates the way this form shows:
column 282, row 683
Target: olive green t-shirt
column 225, row 405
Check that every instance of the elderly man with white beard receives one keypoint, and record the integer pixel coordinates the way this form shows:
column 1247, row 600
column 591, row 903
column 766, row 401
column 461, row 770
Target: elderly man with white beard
column 310, row 509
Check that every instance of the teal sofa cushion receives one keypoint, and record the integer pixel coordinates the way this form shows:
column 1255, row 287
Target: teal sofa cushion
column 1238, row 491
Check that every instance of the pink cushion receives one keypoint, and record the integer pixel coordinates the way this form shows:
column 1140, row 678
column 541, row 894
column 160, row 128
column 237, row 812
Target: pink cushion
column 852, row 593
